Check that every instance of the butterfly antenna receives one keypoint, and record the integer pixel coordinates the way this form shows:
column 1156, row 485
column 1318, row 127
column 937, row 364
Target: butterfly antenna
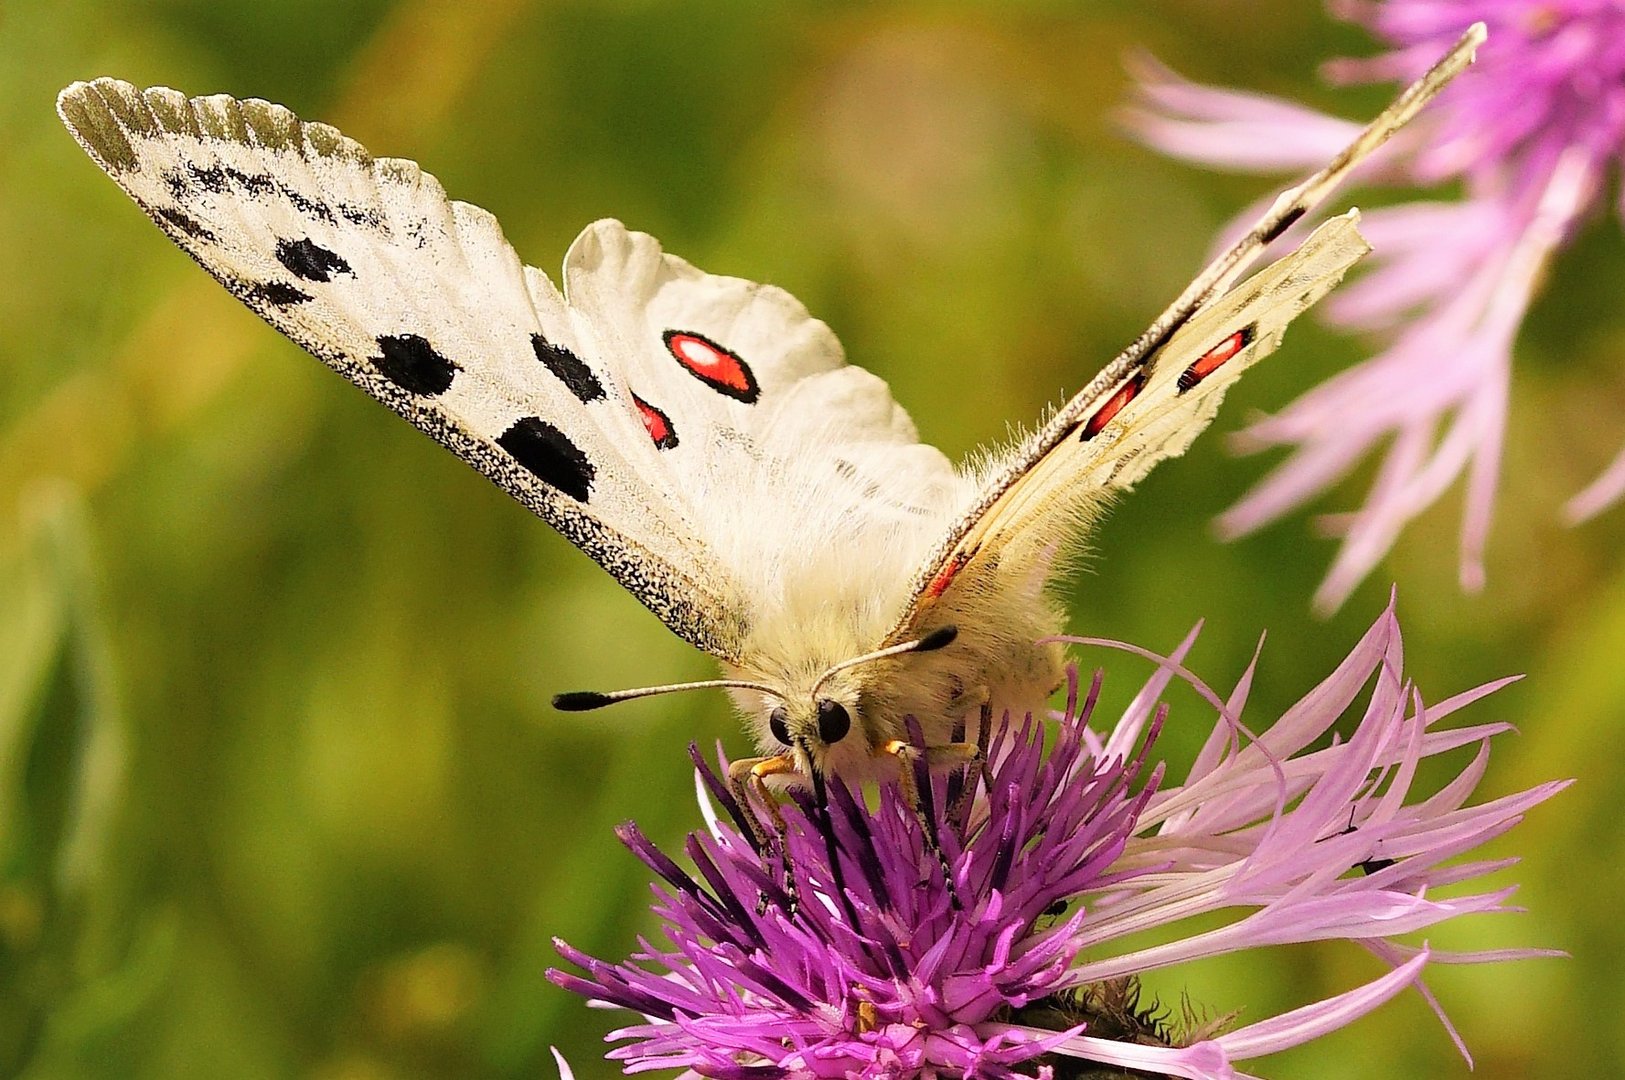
column 587, row 700
column 936, row 639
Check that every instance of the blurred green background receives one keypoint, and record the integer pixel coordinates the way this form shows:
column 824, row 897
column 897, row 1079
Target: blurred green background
column 280, row 791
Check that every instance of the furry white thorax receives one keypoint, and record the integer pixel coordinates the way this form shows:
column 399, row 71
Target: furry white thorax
column 825, row 544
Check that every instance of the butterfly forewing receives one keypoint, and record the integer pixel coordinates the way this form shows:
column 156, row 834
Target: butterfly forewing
column 418, row 300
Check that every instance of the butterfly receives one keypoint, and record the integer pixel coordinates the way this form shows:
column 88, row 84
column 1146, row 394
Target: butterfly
column 702, row 437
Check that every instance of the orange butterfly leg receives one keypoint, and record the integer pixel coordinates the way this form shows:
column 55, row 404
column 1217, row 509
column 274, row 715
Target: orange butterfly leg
column 747, row 778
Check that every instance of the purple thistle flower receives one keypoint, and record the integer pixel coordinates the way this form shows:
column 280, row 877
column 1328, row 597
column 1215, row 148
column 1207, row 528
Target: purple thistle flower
column 1531, row 133
column 1072, row 845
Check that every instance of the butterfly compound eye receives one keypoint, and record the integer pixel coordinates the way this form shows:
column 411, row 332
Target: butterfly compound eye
column 833, row 721
column 776, row 724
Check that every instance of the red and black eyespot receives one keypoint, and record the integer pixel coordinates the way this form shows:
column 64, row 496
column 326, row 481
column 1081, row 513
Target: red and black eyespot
column 657, row 423
column 1217, row 357
column 719, row 368
column 1114, row 405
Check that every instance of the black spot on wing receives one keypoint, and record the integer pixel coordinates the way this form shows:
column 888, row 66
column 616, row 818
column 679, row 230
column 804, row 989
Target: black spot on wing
column 421, row 232
column 279, row 293
column 186, row 223
column 251, row 183
column 411, row 363
column 569, row 367
column 307, row 206
column 209, row 178
column 192, row 178
column 220, row 178
column 549, row 454
column 364, row 216
column 309, row 260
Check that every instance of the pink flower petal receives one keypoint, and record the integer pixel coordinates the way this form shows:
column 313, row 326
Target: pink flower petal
column 1600, row 494
column 1303, row 1024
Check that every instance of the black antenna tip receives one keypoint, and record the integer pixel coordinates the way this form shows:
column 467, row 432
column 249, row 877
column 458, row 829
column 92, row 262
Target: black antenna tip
column 581, row 701
column 937, row 639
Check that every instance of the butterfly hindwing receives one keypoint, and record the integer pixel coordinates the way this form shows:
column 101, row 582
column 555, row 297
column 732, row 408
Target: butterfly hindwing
column 763, row 389
column 1157, row 412
column 1152, row 413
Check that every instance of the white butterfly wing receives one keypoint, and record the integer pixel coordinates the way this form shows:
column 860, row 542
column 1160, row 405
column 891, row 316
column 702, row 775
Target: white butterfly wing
column 677, row 426
column 421, row 302
column 762, row 388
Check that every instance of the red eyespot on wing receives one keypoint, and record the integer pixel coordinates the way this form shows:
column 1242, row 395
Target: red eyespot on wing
column 719, row 368
column 1217, row 357
column 946, row 575
column 1113, row 406
column 657, row 423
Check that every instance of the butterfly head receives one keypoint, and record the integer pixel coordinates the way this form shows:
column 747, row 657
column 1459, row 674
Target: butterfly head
column 812, row 732
column 820, row 722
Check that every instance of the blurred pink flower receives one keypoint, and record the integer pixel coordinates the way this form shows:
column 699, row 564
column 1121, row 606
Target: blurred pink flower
column 1075, row 868
column 1531, row 133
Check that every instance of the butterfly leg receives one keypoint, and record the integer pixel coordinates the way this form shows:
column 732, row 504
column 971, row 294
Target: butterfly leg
column 747, row 778
column 977, row 760
column 908, row 758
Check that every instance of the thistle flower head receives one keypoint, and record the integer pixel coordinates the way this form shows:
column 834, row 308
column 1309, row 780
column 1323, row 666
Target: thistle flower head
column 1532, row 132
column 981, row 932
